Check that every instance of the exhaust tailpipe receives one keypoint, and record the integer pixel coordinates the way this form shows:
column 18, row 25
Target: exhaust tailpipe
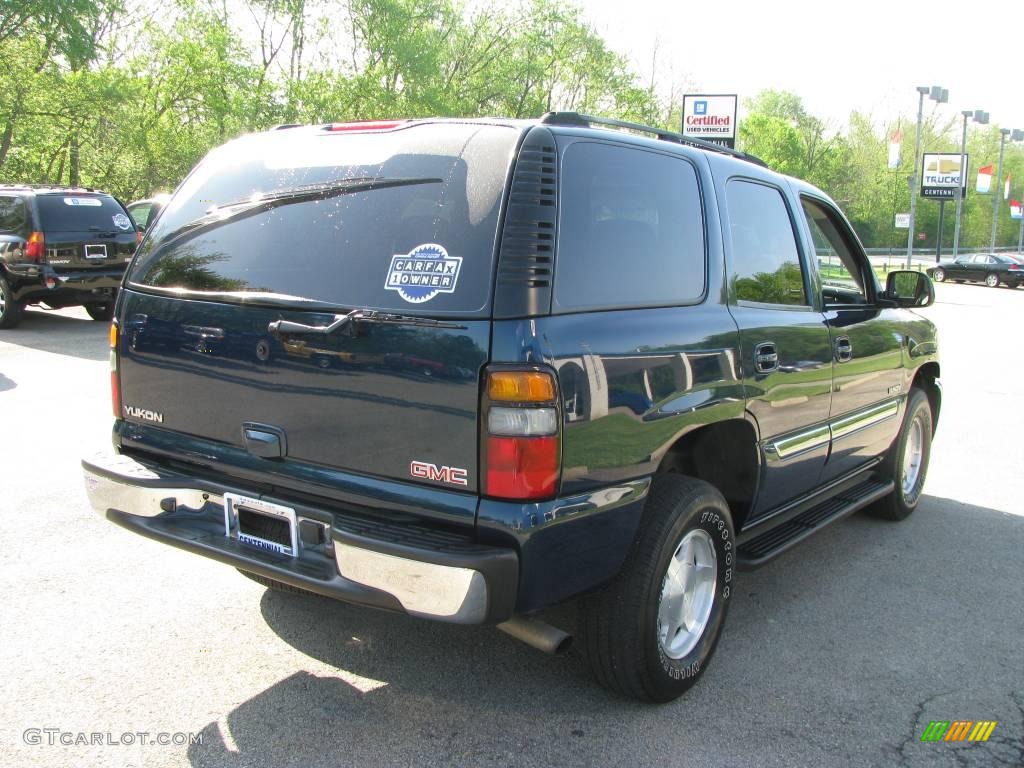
column 540, row 635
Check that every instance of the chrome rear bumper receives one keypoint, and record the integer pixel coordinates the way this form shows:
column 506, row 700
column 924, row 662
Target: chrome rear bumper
column 358, row 559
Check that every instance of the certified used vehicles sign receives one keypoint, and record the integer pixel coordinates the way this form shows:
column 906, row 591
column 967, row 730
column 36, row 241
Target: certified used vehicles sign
column 711, row 117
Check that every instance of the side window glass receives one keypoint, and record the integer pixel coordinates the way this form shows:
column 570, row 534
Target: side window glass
column 141, row 214
column 631, row 229
column 765, row 260
column 843, row 278
column 12, row 214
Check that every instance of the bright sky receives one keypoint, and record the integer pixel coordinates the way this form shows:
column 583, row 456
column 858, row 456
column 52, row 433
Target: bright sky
column 866, row 55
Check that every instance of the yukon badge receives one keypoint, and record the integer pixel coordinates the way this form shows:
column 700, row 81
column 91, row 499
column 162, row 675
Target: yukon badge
column 428, row 471
column 141, row 413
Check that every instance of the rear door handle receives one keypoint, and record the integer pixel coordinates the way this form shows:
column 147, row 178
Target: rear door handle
column 766, row 357
column 844, row 349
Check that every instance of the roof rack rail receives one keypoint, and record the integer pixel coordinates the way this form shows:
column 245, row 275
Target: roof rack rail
column 575, row 118
column 286, row 126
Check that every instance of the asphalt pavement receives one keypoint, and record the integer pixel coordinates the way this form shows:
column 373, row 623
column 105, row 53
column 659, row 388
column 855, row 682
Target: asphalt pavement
column 838, row 653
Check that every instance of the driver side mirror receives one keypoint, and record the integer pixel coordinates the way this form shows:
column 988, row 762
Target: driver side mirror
column 909, row 289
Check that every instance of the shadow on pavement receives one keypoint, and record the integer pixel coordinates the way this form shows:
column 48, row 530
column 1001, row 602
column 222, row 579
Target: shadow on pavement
column 871, row 623
column 60, row 334
column 6, row 383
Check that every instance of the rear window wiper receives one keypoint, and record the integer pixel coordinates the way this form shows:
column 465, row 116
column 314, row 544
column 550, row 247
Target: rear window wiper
column 324, row 190
column 259, row 202
column 349, row 320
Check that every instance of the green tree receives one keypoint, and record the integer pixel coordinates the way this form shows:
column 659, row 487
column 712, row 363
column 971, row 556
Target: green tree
column 779, row 130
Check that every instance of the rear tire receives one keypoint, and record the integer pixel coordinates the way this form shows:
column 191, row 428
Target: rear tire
column 651, row 633
column 277, row 586
column 906, row 463
column 939, row 275
column 992, row 281
column 101, row 312
column 10, row 310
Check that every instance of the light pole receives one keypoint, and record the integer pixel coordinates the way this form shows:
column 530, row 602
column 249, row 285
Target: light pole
column 1015, row 135
column 980, row 117
column 939, row 95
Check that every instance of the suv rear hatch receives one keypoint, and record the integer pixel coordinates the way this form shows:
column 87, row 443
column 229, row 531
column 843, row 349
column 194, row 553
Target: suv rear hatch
column 274, row 238
column 85, row 231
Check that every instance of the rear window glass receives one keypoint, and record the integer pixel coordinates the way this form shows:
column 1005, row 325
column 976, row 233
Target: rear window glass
column 70, row 212
column 425, row 244
column 631, row 229
column 12, row 214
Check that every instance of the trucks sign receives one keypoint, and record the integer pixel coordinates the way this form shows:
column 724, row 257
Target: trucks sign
column 710, row 117
column 941, row 175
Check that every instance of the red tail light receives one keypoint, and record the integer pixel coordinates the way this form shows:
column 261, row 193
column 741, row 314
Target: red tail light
column 35, row 247
column 522, row 467
column 522, row 447
column 365, row 125
column 115, row 381
column 1014, row 267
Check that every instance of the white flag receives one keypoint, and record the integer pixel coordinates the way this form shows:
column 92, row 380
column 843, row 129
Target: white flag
column 894, row 148
column 984, row 180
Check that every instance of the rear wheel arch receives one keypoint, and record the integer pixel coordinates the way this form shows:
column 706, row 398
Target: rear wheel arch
column 723, row 454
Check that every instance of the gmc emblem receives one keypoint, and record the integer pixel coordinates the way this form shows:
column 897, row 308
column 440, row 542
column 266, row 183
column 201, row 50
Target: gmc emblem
column 428, row 471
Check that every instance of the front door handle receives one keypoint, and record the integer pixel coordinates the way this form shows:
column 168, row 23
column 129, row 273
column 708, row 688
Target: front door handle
column 766, row 357
column 844, row 349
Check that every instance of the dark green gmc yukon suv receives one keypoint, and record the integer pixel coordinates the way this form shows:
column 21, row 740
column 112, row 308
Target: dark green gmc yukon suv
column 468, row 369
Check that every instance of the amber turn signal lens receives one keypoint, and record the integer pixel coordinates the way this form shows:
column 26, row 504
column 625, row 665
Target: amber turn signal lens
column 520, row 387
column 113, row 335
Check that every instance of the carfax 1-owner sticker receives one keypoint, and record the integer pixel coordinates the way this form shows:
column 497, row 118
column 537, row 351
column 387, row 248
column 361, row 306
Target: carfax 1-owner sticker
column 424, row 272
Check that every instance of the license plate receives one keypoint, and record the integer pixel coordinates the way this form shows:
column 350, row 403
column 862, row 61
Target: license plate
column 259, row 523
column 98, row 251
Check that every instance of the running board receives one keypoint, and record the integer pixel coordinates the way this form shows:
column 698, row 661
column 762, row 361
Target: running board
column 759, row 550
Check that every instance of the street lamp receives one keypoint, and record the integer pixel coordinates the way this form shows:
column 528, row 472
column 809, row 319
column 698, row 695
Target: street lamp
column 939, row 95
column 1015, row 135
column 980, row 117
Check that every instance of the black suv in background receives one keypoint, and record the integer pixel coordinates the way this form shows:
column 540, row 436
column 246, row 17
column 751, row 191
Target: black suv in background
column 62, row 247
column 468, row 369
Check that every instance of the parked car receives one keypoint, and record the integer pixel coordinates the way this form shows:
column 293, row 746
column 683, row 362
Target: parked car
column 992, row 269
column 61, row 247
column 145, row 211
column 556, row 261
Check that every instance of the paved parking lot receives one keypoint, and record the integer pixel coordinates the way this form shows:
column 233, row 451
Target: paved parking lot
column 838, row 653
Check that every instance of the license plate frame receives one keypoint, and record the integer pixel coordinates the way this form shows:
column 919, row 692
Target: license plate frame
column 96, row 251
column 234, row 501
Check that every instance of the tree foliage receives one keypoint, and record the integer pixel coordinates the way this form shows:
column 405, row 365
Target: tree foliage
column 852, row 167
column 110, row 94
column 128, row 95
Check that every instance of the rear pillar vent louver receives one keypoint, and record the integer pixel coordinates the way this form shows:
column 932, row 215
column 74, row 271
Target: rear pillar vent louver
column 526, row 258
